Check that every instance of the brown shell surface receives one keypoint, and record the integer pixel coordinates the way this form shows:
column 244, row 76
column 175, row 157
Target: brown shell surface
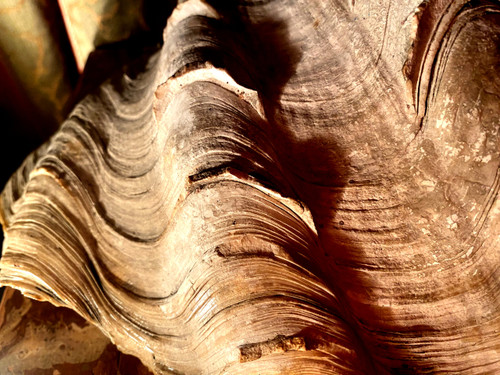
column 38, row 338
column 296, row 187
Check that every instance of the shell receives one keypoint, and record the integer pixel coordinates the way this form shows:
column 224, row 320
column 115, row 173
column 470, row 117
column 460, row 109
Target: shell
column 39, row 338
column 280, row 189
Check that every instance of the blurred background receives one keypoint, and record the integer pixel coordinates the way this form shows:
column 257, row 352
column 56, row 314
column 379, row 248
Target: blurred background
column 44, row 48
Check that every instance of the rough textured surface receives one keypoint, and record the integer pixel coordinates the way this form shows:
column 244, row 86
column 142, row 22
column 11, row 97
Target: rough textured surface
column 37, row 338
column 285, row 187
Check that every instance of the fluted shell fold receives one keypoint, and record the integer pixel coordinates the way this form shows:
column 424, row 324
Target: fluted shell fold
column 280, row 189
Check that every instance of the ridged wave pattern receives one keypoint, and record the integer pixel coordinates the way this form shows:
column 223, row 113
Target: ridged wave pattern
column 264, row 197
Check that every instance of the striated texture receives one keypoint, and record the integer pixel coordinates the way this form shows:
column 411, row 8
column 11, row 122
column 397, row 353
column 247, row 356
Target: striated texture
column 285, row 187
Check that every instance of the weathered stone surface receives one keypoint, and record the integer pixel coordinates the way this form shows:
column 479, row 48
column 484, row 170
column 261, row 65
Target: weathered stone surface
column 285, row 187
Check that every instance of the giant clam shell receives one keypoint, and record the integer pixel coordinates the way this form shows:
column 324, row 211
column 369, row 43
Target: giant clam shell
column 272, row 192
